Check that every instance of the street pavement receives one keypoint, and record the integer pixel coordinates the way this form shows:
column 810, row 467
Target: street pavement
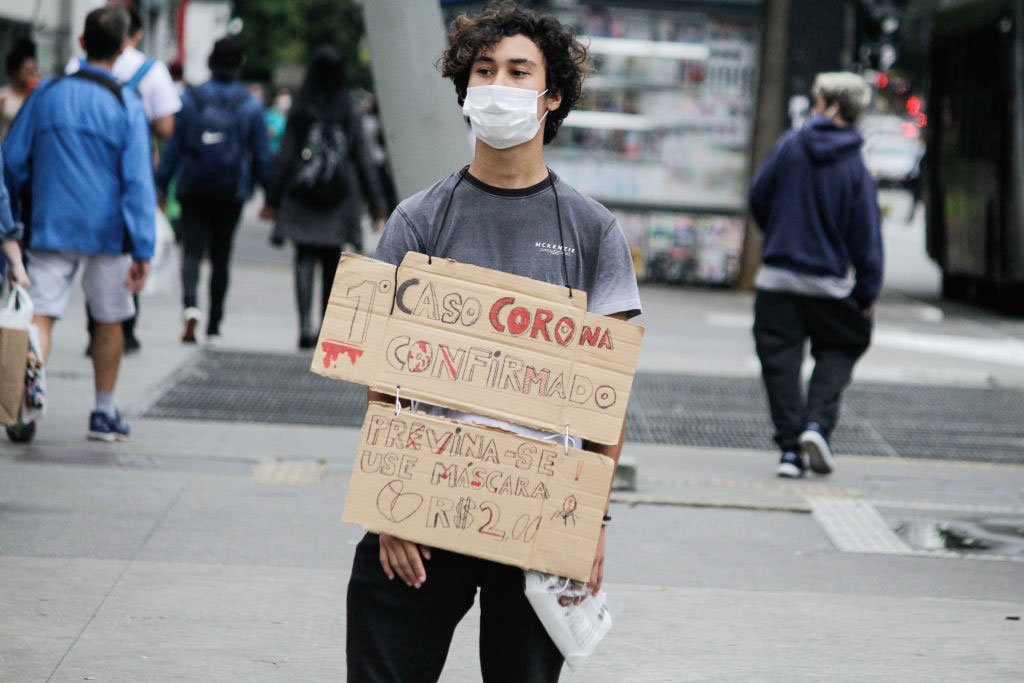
column 214, row 551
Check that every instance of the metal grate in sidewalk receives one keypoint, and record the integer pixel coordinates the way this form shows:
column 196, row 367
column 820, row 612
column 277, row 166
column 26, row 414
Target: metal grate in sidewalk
column 943, row 422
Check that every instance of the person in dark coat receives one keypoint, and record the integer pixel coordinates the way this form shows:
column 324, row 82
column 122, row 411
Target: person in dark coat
column 320, row 218
column 821, row 269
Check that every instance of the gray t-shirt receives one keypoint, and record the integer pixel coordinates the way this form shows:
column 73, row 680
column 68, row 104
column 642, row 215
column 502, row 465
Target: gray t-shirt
column 516, row 231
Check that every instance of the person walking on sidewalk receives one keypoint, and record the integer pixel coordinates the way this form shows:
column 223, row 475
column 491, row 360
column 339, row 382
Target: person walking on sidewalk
column 323, row 174
column 12, row 266
column 821, row 270
column 219, row 147
column 149, row 79
column 22, row 79
column 80, row 147
column 517, row 75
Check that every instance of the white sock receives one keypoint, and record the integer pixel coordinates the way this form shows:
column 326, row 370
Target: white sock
column 105, row 402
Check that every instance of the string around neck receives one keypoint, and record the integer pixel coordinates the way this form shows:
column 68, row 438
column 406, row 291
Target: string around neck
column 444, row 218
column 561, row 234
column 558, row 216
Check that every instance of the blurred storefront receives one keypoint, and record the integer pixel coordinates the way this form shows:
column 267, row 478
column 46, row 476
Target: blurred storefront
column 662, row 135
column 182, row 30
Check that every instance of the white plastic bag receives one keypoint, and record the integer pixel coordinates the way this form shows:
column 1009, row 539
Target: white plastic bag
column 575, row 629
column 17, row 314
column 163, row 269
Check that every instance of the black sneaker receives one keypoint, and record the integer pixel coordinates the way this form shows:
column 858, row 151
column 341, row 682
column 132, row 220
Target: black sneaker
column 23, row 432
column 131, row 345
column 815, row 445
column 791, row 466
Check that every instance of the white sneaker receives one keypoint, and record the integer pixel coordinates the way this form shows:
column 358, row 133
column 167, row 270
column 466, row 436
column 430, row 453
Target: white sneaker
column 190, row 318
column 791, row 466
column 819, row 455
column 213, row 341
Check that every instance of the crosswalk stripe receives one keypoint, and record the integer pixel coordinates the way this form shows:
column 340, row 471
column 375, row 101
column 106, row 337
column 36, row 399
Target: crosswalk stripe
column 856, row 526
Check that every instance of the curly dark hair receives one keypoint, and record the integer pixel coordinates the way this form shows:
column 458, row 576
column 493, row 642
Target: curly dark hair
column 565, row 59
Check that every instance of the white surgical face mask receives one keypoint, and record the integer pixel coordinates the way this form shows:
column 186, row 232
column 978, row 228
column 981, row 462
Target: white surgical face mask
column 501, row 116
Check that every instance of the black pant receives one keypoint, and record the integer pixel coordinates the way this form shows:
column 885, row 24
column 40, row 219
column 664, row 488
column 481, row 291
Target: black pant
column 402, row 635
column 207, row 224
column 306, row 258
column 839, row 335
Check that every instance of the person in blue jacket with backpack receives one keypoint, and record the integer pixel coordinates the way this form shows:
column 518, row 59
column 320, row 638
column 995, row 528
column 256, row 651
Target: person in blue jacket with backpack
column 81, row 180
column 149, row 80
column 219, row 149
column 821, row 270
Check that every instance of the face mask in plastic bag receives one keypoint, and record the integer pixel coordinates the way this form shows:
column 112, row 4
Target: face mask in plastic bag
column 501, row 116
column 575, row 629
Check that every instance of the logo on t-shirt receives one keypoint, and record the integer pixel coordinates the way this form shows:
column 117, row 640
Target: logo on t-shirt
column 556, row 249
column 211, row 137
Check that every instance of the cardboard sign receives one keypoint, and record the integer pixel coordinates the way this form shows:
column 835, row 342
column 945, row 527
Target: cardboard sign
column 479, row 491
column 479, row 341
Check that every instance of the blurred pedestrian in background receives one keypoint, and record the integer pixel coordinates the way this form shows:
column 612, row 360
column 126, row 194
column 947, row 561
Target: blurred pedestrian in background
column 22, row 76
column 378, row 152
column 150, row 80
column 177, row 72
column 277, row 117
column 257, row 90
column 324, row 176
column 12, row 267
column 821, row 269
column 79, row 150
column 218, row 150
column 147, row 77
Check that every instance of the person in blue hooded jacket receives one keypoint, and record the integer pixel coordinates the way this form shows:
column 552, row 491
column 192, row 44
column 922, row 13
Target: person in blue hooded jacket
column 821, row 270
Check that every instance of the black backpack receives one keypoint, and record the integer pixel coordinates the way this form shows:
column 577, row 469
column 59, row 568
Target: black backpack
column 320, row 177
column 217, row 144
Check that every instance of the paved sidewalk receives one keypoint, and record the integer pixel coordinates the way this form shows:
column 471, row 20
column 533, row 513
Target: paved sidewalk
column 184, row 555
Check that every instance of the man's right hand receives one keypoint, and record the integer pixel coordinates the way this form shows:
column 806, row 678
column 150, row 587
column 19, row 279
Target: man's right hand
column 137, row 276
column 17, row 274
column 404, row 559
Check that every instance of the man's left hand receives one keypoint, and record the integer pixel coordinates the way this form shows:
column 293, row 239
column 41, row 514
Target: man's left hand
column 137, row 275
column 593, row 586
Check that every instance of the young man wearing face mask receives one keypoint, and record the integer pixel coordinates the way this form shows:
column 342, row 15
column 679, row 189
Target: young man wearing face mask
column 517, row 75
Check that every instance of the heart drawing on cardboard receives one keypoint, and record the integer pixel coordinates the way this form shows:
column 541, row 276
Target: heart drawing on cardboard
column 395, row 505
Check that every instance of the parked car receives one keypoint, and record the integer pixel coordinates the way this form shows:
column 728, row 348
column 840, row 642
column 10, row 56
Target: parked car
column 893, row 160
